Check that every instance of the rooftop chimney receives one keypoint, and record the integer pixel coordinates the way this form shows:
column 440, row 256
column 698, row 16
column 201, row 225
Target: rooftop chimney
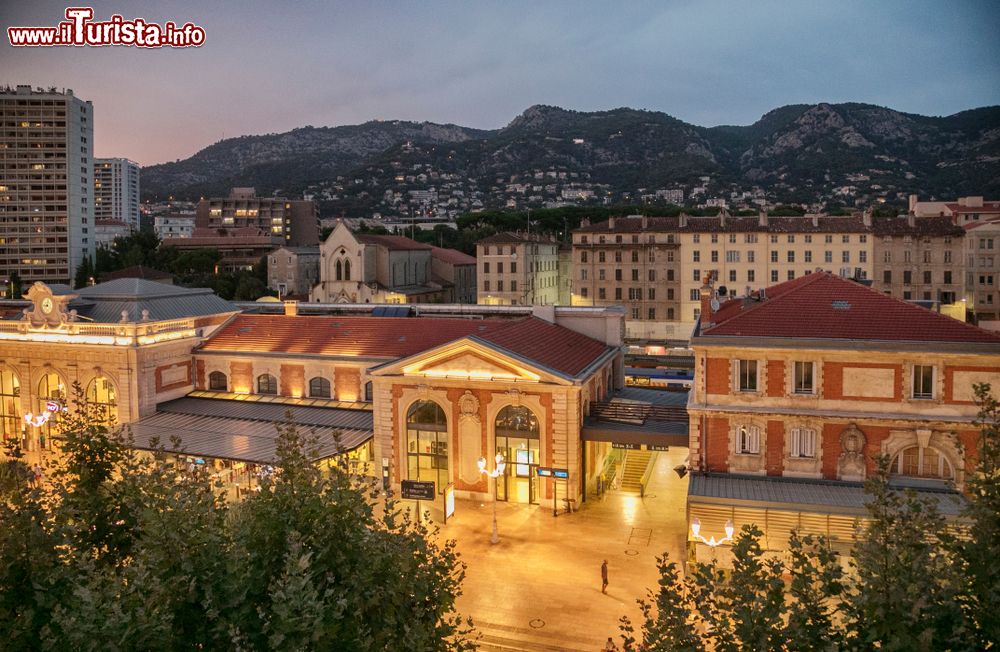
column 645, row 222
column 584, row 222
column 611, row 224
column 913, row 204
column 815, row 220
column 682, row 220
column 707, row 295
column 911, row 220
column 291, row 308
column 762, row 218
column 866, row 217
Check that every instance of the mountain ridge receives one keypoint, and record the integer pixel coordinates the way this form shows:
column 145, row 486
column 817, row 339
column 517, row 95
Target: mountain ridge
column 799, row 152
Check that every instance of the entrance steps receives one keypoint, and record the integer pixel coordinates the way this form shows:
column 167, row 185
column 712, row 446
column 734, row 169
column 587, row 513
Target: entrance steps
column 635, row 467
column 494, row 637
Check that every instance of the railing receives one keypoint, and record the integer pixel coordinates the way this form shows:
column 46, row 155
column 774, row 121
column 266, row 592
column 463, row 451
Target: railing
column 645, row 476
column 120, row 334
column 637, row 413
column 609, row 473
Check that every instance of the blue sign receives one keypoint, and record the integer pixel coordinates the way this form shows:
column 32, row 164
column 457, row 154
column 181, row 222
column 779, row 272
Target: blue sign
column 561, row 473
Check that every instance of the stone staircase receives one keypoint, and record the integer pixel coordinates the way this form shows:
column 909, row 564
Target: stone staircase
column 635, row 467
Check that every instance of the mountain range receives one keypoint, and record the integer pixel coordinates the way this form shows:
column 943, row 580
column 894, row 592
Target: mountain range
column 797, row 153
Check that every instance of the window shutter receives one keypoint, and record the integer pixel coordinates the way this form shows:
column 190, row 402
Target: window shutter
column 796, row 442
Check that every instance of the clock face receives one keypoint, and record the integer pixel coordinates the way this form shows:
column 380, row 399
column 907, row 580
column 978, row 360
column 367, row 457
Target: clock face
column 47, row 305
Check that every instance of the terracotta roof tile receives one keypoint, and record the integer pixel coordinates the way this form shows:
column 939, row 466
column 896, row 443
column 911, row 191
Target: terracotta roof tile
column 391, row 242
column 389, row 338
column 823, row 224
column 452, row 256
column 824, row 306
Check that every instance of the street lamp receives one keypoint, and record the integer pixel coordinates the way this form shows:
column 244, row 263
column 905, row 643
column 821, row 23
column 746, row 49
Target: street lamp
column 495, row 474
column 696, row 533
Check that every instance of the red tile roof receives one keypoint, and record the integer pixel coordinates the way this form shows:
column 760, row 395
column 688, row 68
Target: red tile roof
column 743, row 224
column 391, row 242
column 555, row 347
column 452, row 256
column 824, row 306
column 987, row 207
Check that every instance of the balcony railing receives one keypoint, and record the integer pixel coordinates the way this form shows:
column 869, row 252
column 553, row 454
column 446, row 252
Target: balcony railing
column 127, row 334
column 636, row 413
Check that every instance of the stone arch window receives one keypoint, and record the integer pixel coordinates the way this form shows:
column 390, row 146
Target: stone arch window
column 427, row 443
column 10, row 405
column 347, row 269
column 102, row 395
column 218, row 382
column 319, row 387
column 267, row 384
column 338, row 271
column 922, row 462
column 50, row 388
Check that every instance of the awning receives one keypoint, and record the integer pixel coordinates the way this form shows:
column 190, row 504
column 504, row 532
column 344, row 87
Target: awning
column 245, row 432
column 639, row 416
column 824, row 496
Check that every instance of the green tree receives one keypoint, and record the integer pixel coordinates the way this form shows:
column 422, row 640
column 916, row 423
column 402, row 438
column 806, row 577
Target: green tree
column 906, row 589
column 980, row 548
column 668, row 622
column 249, row 288
column 84, row 272
column 815, row 595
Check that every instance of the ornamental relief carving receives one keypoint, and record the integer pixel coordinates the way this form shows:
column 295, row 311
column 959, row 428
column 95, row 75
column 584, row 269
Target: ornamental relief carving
column 851, row 463
column 468, row 407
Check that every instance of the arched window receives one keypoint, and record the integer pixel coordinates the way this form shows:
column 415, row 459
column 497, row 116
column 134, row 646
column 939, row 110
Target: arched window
column 339, row 271
column 347, row 270
column 10, row 405
column 368, row 391
column 427, row 443
column 319, row 387
column 748, row 440
column 50, row 390
column 218, row 382
column 267, row 384
column 101, row 393
column 917, row 462
column 517, row 439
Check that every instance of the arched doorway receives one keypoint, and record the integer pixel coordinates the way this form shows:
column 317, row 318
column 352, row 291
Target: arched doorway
column 101, row 394
column 427, row 444
column 517, row 439
column 10, row 405
column 50, row 390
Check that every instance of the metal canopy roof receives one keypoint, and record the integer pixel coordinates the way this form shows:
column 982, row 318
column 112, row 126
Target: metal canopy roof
column 800, row 494
column 236, row 430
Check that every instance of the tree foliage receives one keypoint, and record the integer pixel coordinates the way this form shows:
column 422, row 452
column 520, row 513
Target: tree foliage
column 124, row 551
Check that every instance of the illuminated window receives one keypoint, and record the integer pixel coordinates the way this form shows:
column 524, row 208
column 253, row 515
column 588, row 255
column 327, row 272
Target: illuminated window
column 517, row 439
column 102, row 396
column 427, row 444
column 10, row 405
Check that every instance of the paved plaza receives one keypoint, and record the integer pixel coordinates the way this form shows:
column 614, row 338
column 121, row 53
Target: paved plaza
column 540, row 587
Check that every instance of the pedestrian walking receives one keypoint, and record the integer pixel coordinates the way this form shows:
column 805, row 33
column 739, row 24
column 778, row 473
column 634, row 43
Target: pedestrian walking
column 36, row 475
column 604, row 578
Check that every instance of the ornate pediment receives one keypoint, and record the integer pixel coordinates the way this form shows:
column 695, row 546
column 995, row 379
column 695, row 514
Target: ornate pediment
column 48, row 310
column 469, row 364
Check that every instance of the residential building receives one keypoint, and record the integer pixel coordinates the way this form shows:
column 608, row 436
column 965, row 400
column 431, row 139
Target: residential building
column 293, row 271
column 798, row 388
column 46, row 183
column 739, row 252
column 107, row 231
column 518, row 269
column 362, row 268
column 244, row 227
column 962, row 211
column 173, row 225
column 116, row 190
column 630, row 261
column 982, row 270
column 919, row 259
column 456, row 273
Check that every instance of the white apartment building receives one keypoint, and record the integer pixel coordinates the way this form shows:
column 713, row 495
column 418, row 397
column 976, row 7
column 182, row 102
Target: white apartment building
column 178, row 225
column 116, row 190
column 46, row 183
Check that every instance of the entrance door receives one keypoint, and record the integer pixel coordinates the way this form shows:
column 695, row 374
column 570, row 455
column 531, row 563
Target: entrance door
column 519, row 482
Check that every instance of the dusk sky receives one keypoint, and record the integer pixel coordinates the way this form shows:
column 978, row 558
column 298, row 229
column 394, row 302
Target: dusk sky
column 270, row 67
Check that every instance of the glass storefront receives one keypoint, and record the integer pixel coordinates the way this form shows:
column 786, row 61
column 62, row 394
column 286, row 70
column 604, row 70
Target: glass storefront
column 517, row 438
column 427, row 444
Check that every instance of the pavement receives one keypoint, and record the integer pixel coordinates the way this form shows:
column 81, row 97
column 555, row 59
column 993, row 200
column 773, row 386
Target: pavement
column 539, row 588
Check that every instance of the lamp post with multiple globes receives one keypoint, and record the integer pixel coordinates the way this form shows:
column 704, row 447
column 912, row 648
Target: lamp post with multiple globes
column 696, row 533
column 495, row 474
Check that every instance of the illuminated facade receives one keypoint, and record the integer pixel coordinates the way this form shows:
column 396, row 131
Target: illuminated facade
column 128, row 366
column 796, row 391
column 442, row 392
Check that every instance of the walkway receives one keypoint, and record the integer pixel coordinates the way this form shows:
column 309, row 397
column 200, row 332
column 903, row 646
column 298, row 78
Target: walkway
column 540, row 587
